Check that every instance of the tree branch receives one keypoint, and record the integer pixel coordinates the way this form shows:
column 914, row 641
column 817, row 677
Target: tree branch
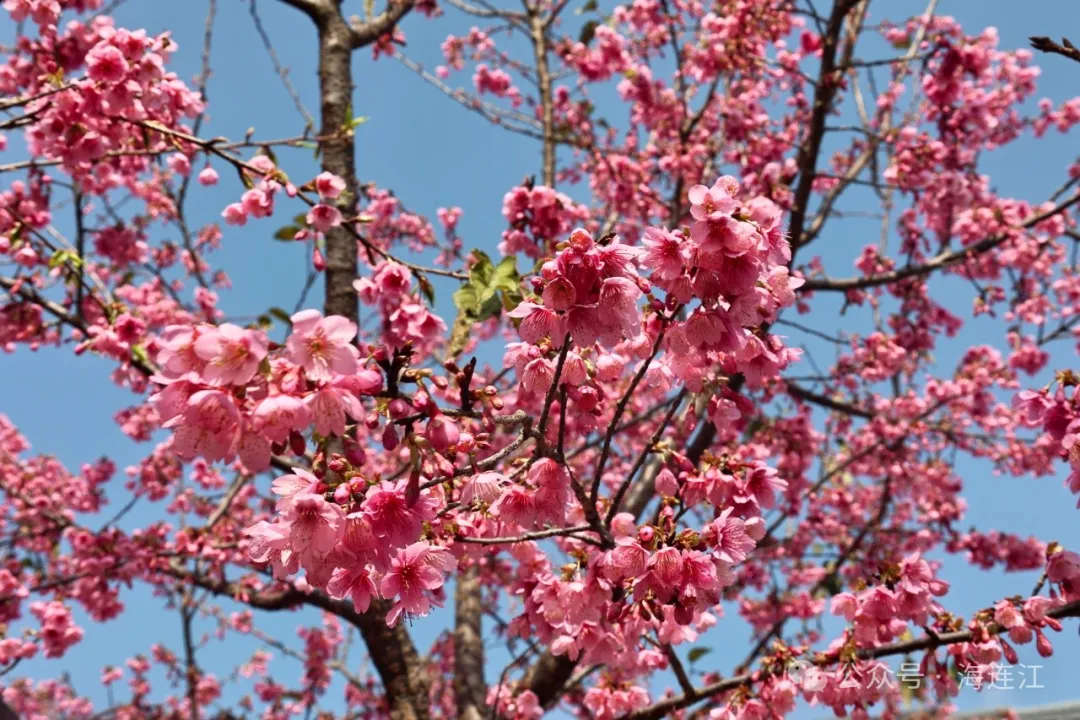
column 365, row 33
column 942, row 260
column 470, row 693
column 929, row 642
column 1046, row 45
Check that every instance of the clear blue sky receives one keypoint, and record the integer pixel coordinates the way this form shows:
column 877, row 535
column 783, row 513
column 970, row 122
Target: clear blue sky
column 434, row 153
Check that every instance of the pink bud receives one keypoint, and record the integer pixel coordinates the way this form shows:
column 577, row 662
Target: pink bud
column 208, row 176
column 317, row 260
column 341, row 494
column 684, row 615
column 587, row 398
column 354, row 453
column 412, row 490
column 442, row 433
column 666, row 483
column 1009, row 651
column 390, row 438
column 646, row 534
column 1043, row 644
column 398, row 408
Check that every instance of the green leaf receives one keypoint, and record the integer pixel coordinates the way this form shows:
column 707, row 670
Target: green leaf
column 465, row 299
column 287, row 233
column 697, row 653
column 459, row 334
column 61, row 257
column 833, row 585
column 426, row 288
column 244, row 178
column 139, row 353
column 280, row 315
column 505, row 277
column 357, row 122
column 589, row 6
column 268, row 152
column 588, row 32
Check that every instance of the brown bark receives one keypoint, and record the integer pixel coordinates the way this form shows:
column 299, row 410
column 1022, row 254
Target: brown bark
column 339, row 157
column 470, row 692
column 391, row 649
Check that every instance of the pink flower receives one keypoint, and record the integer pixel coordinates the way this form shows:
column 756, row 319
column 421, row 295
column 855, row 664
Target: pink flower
column 179, row 164
column 412, row 574
column 729, row 536
column 715, row 202
column 289, row 486
column 663, row 253
column 485, row 487
column 208, row 176
column 106, row 64
column 269, row 543
column 323, row 217
column 516, row 507
column 323, row 346
column 314, row 524
column 354, row 583
column 1064, row 568
column 560, row 294
column 667, row 567
column 279, row 415
column 258, row 202
column 538, row 322
column 329, row 186
column 538, row 376
column 618, row 305
column 234, row 214
column 391, row 516
column 232, row 354
column 207, row 428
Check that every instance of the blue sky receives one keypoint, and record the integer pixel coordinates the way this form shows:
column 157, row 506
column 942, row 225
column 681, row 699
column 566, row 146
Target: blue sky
column 434, row 153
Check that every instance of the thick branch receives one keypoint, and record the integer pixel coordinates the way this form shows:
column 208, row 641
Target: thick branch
column 365, row 33
column 827, row 85
column 392, row 653
column 1066, row 48
column 469, row 691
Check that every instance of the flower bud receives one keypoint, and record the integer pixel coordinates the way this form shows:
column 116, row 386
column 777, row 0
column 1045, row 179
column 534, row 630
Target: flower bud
column 398, row 408
column 1043, row 644
column 390, row 438
column 354, row 453
column 442, row 433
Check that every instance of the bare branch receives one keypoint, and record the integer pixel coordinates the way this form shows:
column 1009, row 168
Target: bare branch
column 365, row 33
column 1046, row 45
